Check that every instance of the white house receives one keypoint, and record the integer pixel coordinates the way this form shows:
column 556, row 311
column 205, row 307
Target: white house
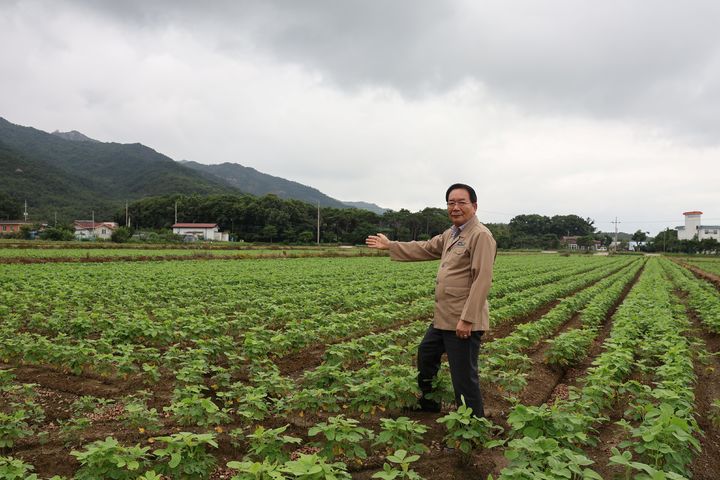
column 694, row 228
column 89, row 230
column 201, row 231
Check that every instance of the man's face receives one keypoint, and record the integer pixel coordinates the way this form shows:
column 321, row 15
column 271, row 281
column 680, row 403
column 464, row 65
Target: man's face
column 460, row 209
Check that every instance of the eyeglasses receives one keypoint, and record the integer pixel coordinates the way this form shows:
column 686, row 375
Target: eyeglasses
column 461, row 204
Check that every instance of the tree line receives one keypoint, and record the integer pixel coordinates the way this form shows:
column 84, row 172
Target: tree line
column 269, row 218
column 667, row 241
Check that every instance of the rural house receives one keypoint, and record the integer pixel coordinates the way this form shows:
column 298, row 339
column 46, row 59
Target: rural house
column 90, row 230
column 12, row 226
column 201, row 231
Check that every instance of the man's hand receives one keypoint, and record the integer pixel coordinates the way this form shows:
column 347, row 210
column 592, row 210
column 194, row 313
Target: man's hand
column 463, row 329
column 378, row 241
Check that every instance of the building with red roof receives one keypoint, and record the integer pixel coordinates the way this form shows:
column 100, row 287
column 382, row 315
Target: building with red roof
column 91, row 230
column 694, row 228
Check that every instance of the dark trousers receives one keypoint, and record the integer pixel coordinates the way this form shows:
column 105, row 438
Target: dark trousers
column 463, row 359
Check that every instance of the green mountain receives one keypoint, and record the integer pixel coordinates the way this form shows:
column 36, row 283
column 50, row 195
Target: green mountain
column 75, row 178
column 72, row 175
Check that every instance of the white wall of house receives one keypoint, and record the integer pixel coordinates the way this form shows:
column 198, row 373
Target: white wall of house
column 203, row 233
column 709, row 231
column 102, row 231
column 200, row 233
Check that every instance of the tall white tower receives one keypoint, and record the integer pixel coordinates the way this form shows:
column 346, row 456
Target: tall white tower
column 692, row 225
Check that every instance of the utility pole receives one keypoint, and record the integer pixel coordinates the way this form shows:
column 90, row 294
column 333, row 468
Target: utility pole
column 318, row 223
column 616, row 232
column 175, row 211
column 127, row 217
column 93, row 224
column 25, row 214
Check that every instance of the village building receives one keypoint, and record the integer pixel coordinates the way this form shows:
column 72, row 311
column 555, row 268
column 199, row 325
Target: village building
column 90, row 230
column 571, row 243
column 200, row 231
column 694, row 228
column 8, row 227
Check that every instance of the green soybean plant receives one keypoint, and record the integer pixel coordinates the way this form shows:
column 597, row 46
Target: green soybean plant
column 402, row 434
column 343, row 436
column 664, row 439
column 109, row 459
column 638, row 470
column 185, row 455
column 568, row 427
column 402, row 460
column 15, row 469
column 136, row 415
column 265, row 470
column 268, row 443
column 150, row 475
column 466, row 431
column 71, row 429
column 13, row 426
column 196, row 409
column 315, row 467
column 545, row 458
column 89, row 404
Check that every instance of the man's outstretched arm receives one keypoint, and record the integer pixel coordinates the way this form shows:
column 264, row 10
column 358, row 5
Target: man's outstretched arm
column 407, row 251
column 379, row 241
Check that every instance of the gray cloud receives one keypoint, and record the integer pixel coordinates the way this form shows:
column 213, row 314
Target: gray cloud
column 552, row 107
column 657, row 62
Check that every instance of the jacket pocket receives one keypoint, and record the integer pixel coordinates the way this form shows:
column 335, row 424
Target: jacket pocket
column 457, row 291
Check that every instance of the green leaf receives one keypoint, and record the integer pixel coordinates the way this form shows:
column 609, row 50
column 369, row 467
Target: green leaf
column 175, row 459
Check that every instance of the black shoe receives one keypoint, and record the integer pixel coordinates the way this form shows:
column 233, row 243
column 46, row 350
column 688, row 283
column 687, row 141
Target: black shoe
column 425, row 405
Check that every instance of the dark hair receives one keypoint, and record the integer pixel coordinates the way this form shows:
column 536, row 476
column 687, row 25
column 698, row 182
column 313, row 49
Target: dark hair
column 467, row 188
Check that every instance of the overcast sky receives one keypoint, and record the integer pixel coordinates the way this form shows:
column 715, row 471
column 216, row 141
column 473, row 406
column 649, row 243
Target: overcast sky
column 600, row 109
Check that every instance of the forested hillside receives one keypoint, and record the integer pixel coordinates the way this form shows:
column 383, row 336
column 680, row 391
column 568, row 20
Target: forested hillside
column 74, row 178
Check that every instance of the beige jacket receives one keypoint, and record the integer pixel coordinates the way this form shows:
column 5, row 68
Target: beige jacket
column 464, row 276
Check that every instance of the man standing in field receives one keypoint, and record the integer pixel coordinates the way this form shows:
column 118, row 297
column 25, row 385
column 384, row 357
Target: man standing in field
column 467, row 253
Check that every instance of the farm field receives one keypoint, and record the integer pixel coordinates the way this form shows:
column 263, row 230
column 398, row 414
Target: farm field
column 97, row 252
column 596, row 367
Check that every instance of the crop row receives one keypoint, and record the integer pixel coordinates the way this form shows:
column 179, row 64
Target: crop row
column 526, row 275
column 702, row 296
column 526, row 301
column 503, row 361
column 647, row 339
column 570, row 347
